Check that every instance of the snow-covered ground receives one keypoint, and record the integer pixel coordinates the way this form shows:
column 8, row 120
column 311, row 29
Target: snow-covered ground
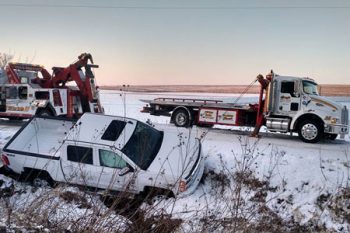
column 298, row 182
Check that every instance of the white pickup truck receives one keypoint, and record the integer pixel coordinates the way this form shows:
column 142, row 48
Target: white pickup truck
column 106, row 152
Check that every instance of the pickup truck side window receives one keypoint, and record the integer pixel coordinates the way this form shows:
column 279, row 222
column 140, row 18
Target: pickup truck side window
column 113, row 131
column 79, row 154
column 111, row 159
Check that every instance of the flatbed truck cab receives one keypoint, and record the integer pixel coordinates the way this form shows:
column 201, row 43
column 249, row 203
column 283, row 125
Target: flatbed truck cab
column 294, row 105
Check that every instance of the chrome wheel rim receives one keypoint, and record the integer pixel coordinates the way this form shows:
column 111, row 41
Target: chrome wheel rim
column 309, row 131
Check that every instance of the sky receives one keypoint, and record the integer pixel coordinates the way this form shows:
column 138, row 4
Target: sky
column 183, row 42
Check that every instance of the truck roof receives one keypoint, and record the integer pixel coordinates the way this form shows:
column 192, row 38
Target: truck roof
column 102, row 129
column 293, row 78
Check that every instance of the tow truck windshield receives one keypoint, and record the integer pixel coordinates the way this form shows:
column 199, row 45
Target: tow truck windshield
column 310, row 87
column 143, row 145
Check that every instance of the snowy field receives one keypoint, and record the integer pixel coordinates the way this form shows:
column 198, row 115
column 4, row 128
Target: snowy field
column 276, row 179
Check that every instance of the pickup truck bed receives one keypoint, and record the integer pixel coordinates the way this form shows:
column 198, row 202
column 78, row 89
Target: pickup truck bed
column 41, row 136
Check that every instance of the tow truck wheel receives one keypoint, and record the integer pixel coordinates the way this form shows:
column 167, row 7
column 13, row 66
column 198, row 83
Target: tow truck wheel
column 181, row 118
column 310, row 131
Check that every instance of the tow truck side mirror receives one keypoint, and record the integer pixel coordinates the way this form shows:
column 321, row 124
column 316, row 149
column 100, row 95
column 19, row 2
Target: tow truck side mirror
column 296, row 92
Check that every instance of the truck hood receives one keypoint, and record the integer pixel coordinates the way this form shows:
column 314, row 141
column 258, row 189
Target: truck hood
column 177, row 156
column 320, row 100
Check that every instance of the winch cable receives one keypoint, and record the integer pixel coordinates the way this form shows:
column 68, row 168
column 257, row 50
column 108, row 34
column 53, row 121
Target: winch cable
column 244, row 91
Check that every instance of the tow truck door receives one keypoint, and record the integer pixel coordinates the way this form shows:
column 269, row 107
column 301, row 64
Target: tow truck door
column 288, row 97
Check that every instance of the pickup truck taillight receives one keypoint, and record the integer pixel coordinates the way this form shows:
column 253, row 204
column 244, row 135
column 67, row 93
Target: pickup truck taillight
column 5, row 161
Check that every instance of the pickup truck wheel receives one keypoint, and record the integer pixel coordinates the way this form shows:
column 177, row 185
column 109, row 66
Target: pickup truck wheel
column 310, row 131
column 37, row 178
column 181, row 118
column 39, row 182
column 152, row 195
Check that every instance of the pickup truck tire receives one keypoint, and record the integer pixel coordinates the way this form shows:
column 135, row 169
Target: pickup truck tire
column 181, row 118
column 310, row 131
column 152, row 194
column 37, row 178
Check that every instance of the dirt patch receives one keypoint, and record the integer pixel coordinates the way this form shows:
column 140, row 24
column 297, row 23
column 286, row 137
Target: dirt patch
column 141, row 222
column 71, row 197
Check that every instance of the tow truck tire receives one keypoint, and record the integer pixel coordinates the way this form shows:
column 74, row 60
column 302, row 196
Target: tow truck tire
column 310, row 131
column 181, row 118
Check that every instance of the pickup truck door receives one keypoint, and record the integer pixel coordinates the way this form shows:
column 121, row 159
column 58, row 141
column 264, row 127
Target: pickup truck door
column 115, row 172
column 79, row 165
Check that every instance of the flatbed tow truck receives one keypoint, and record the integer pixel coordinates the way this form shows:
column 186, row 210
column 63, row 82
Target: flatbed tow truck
column 286, row 104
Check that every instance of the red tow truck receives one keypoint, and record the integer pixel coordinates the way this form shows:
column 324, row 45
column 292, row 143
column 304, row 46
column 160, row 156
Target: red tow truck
column 27, row 90
column 286, row 104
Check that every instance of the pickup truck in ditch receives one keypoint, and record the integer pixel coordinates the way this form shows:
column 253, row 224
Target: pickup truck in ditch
column 106, row 152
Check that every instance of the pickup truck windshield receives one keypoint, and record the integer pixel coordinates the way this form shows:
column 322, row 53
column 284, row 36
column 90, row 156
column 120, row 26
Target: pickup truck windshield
column 143, row 145
column 310, row 87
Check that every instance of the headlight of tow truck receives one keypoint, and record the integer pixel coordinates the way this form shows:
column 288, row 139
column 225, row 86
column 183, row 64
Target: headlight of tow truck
column 334, row 120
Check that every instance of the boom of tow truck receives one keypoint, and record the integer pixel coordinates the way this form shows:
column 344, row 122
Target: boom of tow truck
column 28, row 90
column 286, row 104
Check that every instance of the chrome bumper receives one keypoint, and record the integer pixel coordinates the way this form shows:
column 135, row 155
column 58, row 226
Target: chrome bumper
column 336, row 129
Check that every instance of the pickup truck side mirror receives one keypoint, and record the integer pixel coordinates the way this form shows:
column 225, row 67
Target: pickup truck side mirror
column 125, row 171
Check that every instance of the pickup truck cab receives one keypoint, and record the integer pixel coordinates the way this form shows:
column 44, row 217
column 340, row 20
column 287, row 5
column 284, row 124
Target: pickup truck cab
column 106, row 152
